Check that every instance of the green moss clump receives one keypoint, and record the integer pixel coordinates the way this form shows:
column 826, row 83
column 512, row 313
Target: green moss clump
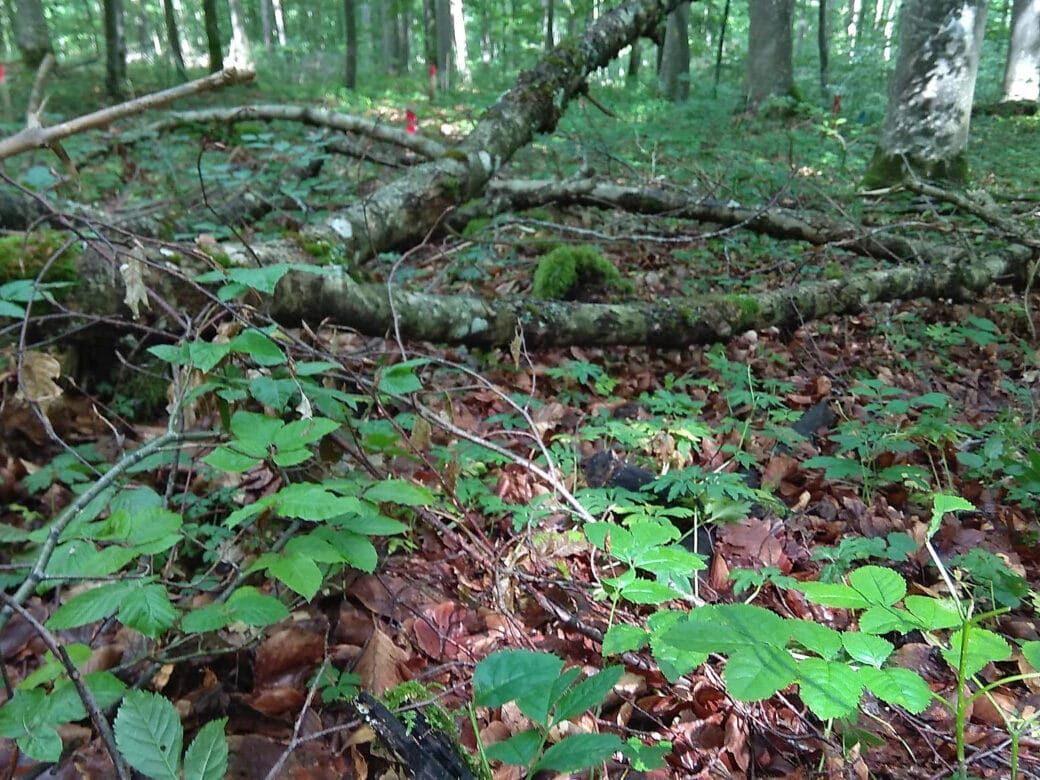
column 887, row 170
column 567, row 269
column 210, row 250
column 23, row 256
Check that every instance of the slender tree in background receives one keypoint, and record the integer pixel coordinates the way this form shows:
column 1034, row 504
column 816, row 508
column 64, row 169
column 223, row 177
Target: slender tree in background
column 444, row 40
column 1022, row 72
column 30, row 32
column 405, row 10
column 279, row 21
column 115, row 49
column 239, row 52
column 216, row 54
column 929, row 103
column 173, row 38
column 718, row 53
column 823, row 43
column 635, row 59
column 267, row 24
column 770, row 71
column 459, row 46
column 350, row 80
column 674, row 76
column 548, row 21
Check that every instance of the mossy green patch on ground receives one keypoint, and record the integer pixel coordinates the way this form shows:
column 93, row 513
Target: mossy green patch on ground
column 567, row 269
column 24, row 255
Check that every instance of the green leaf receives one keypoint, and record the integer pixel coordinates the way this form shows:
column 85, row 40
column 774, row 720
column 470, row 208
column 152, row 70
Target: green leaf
column 878, row 585
column 8, row 309
column 149, row 735
column 588, row 693
column 300, row 433
column 310, row 501
column 578, row 751
column 1031, row 652
column 829, row 688
column 882, row 620
column 260, row 279
column 519, row 750
column 397, row 491
column 933, row 613
column 648, row 592
column 207, row 756
column 211, row 617
column 175, row 355
column 356, row 550
column 756, row 673
column 42, row 743
column 523, row 676
column 901, row 687
column 832, row 595
column 866, row 648
column 91, row 605
column 943, row 503
column 230, row 461
column 645, row 758
column 984, row 647
column 623, row 638
column 206, row 355
column 822, row 640
column 727, row 628
column 400, row 379
column 254, row 608
column 259, row 347
column 250, row 510
column 297, row 572
column 148, row 610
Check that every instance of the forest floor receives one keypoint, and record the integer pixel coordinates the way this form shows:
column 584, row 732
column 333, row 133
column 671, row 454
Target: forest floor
column 927, row 397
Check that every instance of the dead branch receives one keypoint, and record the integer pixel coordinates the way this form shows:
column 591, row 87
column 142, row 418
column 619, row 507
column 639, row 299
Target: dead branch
column 37, row 137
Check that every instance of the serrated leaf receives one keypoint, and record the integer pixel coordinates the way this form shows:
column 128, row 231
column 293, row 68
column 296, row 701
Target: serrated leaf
column 933, row 613
column 523, row 676
column 207, row 756
column 1031, row 652
column 578, row 751
column 211, row 617
column 878, row 585
column 205, row 355
column 42, row 743
column 298, row 573
column 756, row 673
column 866, row 648
column 310, row 501
column 623, row 638
column 149, row 735
column 261, row 279
column 587, row 693
column 829, row 688
column 983, row 647
column 902, row 687
column 822, row 640
column 300, row 433
column 230, row 461
column 254, row 608
column 519, row 750
column 89, row 606
column 259, row 347
column 148, row 610
column 397, row 491
column 400, row 379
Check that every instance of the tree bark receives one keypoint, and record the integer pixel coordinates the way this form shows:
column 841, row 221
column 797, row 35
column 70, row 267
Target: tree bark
column 30, row 32
column 239, row 52
column 213, row 45
column 929, row 107
column 674, row 77
column 1022, row 72
column 173, row 38
column 350, row 77
column 115, row 49
column 770, row 72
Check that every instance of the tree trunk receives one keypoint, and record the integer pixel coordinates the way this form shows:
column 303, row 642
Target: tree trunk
column 173, row 39
column 635, row 58
column 239, row 52
column 30, row 32
column 213, row 45
column 459, row 45
column 823, row 43
column 267, row 24
column 548, row 21
column 770, row 72
column 1022, row 73
column 350, row 80
column 279, row 21
column 930, row 96
column 115, row 50
column 718, row 53
column 674, row 76
column 444, row 41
